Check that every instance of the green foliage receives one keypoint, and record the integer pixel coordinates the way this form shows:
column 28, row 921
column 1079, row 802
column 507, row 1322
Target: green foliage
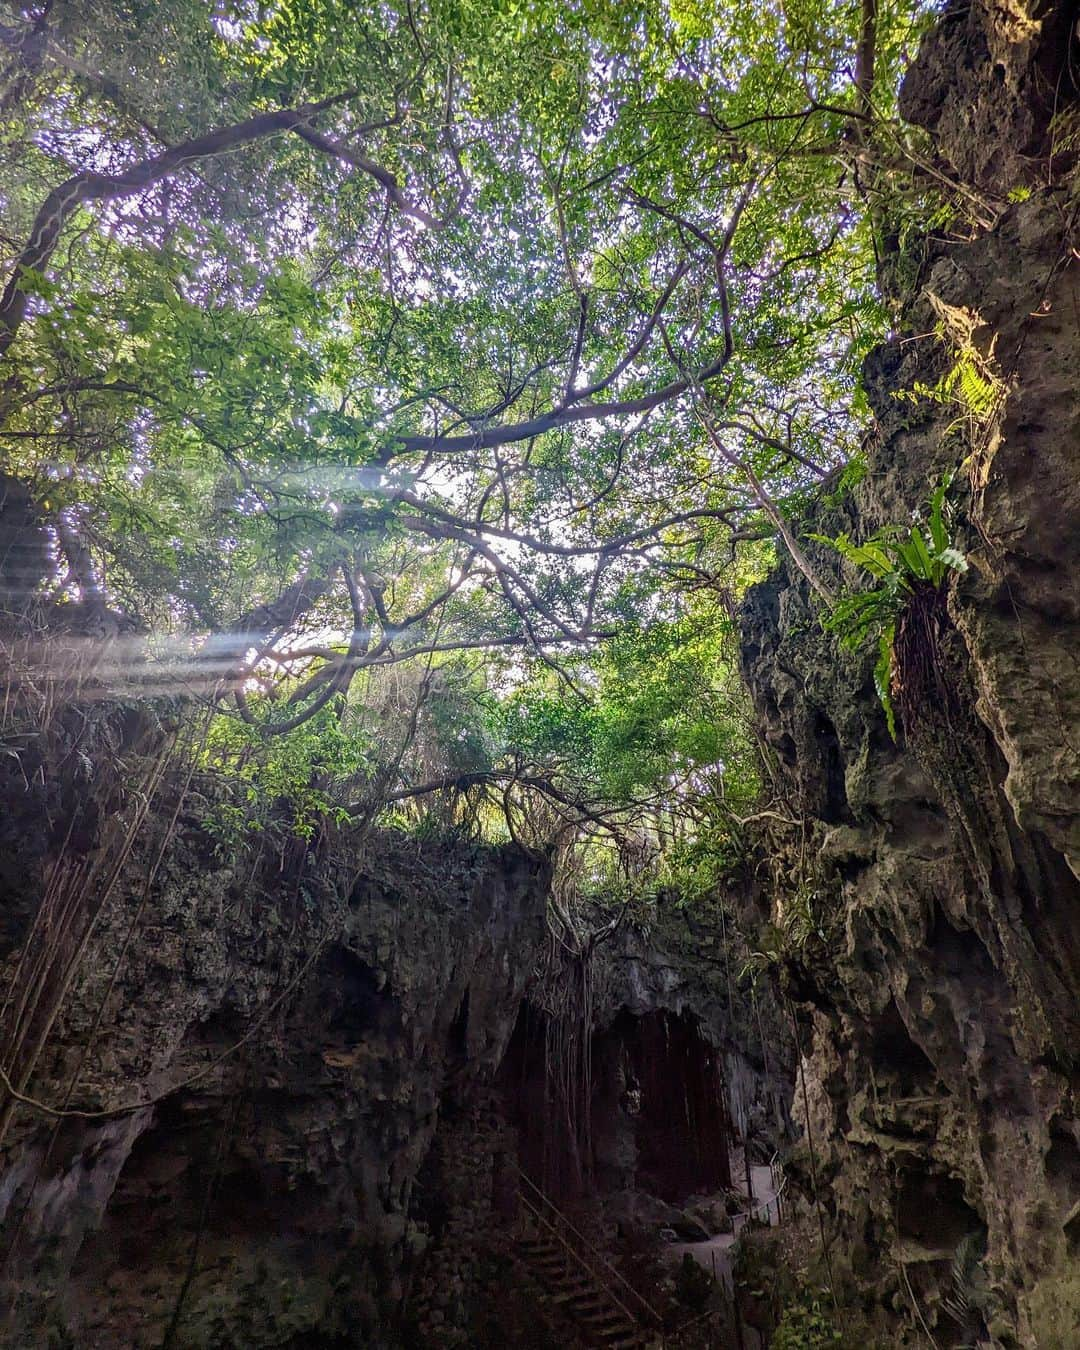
column 900, row 561
column 846, row 481
column 694, row 868
column 966, row 383
column 969, row 1301
column 287, row 363
column 661, row 703
column 971, row 384
column 801, row 927
column 294, row 781
column 223, row 350
column 807, row 1325
column 660, row 726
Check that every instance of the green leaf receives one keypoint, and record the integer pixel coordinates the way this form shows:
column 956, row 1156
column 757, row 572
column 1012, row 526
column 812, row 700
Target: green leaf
column 938, row 533
column 883, row 670
column 924, row 567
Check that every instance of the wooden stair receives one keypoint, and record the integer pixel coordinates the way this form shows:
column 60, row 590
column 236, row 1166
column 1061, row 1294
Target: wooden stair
column 579, row 1281
column 575, row 1291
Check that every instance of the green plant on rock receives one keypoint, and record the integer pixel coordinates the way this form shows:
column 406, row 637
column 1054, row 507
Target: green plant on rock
column 846, row 481
column 806, row 1325
column 906, row 564
column 800, row 924
column 968, row 1302
column 971, row 384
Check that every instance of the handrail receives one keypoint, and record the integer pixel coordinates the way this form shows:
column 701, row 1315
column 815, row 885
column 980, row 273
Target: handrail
column 766, row 1205
column 590, row 1247
column 593, row 1253
column 610, row 1293
column 583, row 1258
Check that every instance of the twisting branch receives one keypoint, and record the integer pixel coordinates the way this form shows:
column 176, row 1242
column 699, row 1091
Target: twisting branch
column 578, row 405
column 636, row 348
column 337, row 150
column 87, row 186
column 770, row 508
column 512, row 432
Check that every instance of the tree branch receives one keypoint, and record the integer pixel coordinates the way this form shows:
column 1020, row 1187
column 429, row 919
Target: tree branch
column 89, row 186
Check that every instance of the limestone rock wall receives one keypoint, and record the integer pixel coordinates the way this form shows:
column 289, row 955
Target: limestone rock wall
column 942, row 1017
column 689, row 962
column 301, row 1028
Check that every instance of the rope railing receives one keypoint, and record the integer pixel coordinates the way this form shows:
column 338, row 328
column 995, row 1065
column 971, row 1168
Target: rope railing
column 585, row 1252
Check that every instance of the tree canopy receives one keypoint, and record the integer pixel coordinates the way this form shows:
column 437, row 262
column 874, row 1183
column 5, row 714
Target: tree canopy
column 498, row 341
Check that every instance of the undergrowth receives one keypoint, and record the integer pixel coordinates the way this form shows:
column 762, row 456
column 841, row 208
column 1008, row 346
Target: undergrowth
column 801, row 926
column 807, row 1324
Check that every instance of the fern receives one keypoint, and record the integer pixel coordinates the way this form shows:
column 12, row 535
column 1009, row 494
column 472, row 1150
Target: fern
column 974, row 390
column 964, row 384
column 968, row 1298
column 901, row 562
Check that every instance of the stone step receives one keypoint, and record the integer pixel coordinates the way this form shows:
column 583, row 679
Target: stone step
column 532, row 1252
column 567, row 1289
column 590, row 1308
column 546, row 1258
column 561, row 1272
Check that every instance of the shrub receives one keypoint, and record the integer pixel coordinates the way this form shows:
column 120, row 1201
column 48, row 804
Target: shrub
column 806, row 1325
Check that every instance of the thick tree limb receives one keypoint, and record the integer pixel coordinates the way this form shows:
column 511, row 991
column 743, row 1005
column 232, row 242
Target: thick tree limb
column 337, row 150
column 770, row 508
column 574, row 409
column 512, row 432
column 64, row 200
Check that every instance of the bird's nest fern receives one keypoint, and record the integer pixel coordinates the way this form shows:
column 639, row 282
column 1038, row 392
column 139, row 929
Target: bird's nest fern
column 904, row 614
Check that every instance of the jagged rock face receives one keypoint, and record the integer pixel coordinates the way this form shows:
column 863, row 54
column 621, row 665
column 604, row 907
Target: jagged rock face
column 987, row 82
column 317, row 1019
column 268, row 1052
column 946, row 1016
column 689, row 964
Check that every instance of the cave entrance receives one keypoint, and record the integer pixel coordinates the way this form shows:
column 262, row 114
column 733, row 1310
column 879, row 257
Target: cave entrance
column 655, row 1119
column 682, row 1142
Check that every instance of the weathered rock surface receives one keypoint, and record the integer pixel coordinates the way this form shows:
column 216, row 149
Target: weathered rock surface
column 945, row 1010
column 299, row 1035
column 987, row 82
column 688, row 963
column 297, row 1116
column 265, row 1071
